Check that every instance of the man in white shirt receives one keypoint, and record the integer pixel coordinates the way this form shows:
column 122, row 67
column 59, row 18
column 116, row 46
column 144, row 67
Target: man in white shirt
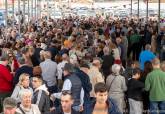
column 73, row 84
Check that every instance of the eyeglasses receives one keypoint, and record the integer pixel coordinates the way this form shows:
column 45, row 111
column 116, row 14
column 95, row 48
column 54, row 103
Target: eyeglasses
column 66, row 92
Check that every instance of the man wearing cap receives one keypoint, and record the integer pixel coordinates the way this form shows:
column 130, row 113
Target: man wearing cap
column 5, row 79
column 9, row 106
column 73, row 84
column 82, row 73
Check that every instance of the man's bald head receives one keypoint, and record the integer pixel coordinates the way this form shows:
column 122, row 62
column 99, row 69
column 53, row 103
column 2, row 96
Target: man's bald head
column 156, row 63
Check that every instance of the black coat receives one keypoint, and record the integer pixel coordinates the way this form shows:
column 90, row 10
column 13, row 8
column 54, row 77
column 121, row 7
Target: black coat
column 86, row 84
column 42, row 98
column 59, row 111
column 108, row 61
column 135, row 89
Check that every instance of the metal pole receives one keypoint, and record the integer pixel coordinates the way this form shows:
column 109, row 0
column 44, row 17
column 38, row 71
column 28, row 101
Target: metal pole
column 138, row 9
column 35, row 5
column 6, row 12
column 47, row 9
column 28, row 12
column 31, row 9
column 40, row 8
column 13, row 11
column 159, row 15
column 147, row 11
column 131, row 8
column 19, row 13
column 24, row 9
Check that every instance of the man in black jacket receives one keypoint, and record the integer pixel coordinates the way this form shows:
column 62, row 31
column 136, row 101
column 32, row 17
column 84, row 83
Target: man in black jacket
column 82, row 73
column 86, row 84
column 40, row 95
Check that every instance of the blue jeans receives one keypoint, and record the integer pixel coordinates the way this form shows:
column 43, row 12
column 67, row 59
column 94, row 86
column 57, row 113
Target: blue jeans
column 157, row 107
column 86, row 107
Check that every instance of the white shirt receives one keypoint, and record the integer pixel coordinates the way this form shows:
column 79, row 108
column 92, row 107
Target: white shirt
column 67, row 86
column 67, row 113
column 59, row 69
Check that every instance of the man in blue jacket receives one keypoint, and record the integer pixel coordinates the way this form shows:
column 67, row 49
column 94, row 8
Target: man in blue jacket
column 146, row 55
column 102, row 104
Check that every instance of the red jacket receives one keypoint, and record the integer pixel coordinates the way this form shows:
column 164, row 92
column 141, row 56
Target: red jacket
column 5, row 79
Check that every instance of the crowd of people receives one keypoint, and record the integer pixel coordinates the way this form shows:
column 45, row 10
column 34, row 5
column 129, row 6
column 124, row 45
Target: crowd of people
column 83, row 66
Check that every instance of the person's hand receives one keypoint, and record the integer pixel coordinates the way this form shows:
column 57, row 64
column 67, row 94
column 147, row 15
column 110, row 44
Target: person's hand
column 81, row 108
column 12, row 73
column 52, row 109
column 52, row 97
column 60, row 83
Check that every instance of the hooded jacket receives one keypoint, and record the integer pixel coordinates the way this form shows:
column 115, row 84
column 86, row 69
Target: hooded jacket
column 41, row 98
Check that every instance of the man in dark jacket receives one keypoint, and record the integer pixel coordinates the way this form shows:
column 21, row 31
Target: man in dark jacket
column 86, row 84
column 66, row 104
column 129, row 69
column 40, row 95
column 24, row 68
column 102, row 104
